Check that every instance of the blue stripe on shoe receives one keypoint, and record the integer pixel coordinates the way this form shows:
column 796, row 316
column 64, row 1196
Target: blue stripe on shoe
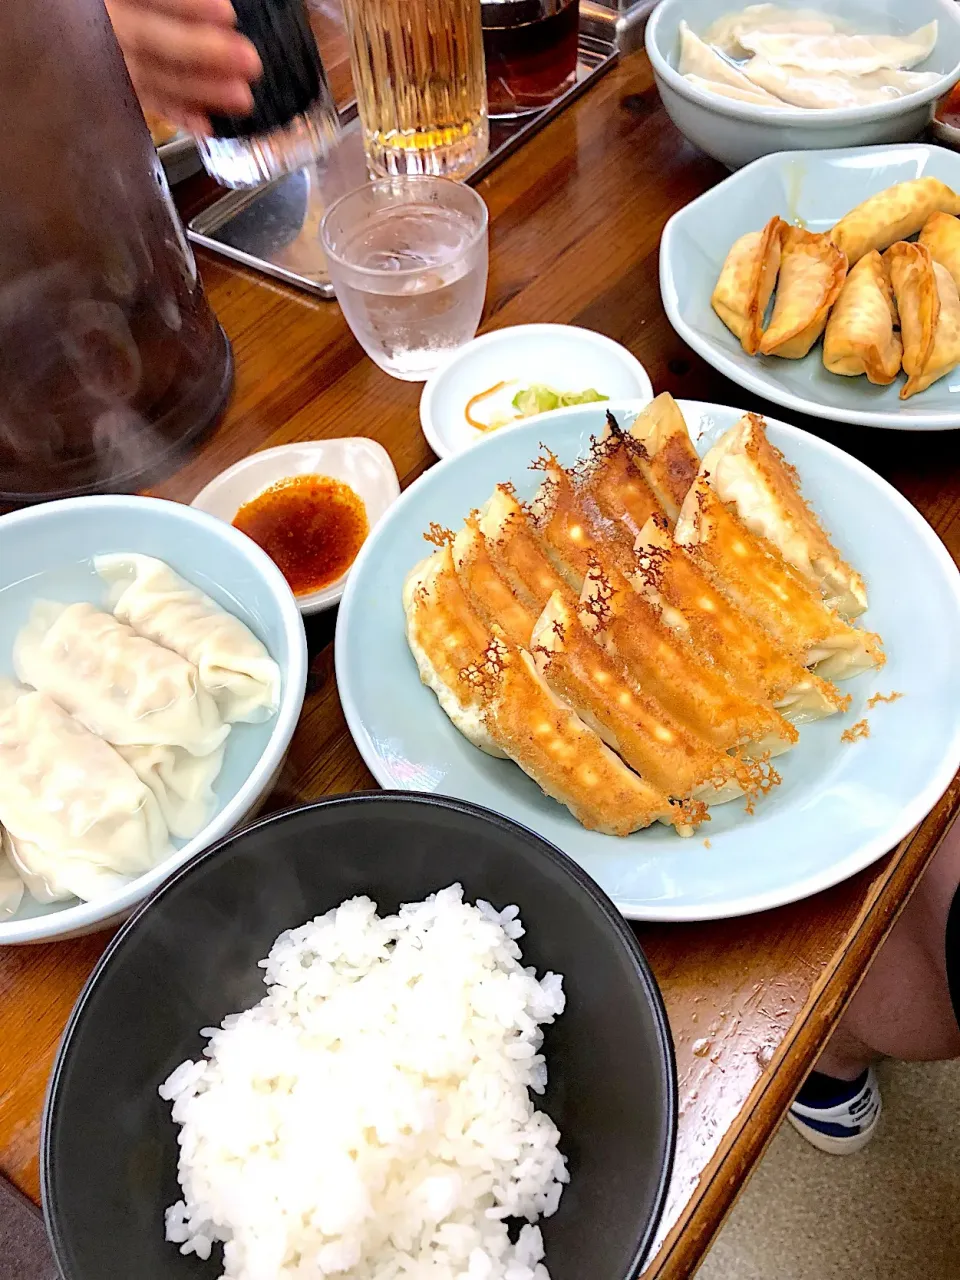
column 828, row 1128
column 823, row 1091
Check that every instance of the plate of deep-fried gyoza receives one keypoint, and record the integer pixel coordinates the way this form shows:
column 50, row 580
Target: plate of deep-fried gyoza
column 709, row 656
column 829, row 282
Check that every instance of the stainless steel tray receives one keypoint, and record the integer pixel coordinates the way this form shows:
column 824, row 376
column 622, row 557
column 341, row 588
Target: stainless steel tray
column 275, row 228
column 180, row 158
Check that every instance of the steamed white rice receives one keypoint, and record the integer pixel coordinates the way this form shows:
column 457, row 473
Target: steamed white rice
column 371, row 1117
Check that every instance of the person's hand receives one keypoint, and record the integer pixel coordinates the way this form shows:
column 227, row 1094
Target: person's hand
column 185, row 58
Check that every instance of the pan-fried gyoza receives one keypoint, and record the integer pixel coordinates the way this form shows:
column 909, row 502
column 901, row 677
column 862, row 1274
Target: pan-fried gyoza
column 648, row 631
column 884, row 303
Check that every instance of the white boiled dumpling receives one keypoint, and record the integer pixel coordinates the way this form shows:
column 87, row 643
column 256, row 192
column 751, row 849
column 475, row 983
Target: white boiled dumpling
column 768, row 18
column 48, row 879
column 181, row 783
column 757, row 96
column 122, row 686
column 233, row 665
column 77, row 819
column 11, row 885
column 852, row 55
column 826, row 91
column 698, row 59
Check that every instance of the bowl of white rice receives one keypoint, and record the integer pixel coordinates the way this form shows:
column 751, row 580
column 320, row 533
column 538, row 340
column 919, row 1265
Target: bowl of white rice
column 382, row 1037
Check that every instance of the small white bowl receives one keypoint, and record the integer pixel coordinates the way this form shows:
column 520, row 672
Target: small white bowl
column 561, row 356
column 738, row 132
column 361, row 463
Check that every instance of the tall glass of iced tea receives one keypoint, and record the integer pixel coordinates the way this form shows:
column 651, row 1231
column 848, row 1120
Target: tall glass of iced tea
column 531, row 52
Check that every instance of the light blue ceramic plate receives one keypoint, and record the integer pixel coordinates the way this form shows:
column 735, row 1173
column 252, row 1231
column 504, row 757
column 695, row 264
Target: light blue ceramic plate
column 815, row 189
column 840, row 806
column 46, row 552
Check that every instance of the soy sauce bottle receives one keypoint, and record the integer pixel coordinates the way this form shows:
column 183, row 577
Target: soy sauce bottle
column 294, row 119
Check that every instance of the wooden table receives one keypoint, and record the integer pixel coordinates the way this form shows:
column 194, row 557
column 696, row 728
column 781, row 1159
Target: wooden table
column 576, row 218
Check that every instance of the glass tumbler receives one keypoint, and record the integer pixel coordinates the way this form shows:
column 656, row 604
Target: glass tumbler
column 408, row 260
column 531, row 52
column 294, row 119
column 421, row 88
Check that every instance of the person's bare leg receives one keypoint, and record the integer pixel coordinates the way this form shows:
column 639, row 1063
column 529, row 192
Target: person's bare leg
column 903, row 1008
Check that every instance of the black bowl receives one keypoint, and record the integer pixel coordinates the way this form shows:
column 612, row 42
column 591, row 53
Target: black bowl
column 189, row 956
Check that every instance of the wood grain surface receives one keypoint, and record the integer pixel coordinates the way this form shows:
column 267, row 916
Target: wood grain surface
column 576, row 218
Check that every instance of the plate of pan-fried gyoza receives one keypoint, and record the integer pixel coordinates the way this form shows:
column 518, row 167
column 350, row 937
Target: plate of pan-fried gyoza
column 708, row 655
column 828, row 282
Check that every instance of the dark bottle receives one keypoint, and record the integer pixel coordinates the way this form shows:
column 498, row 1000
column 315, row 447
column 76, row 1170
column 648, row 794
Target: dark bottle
column 294, row 119
column 111, row 361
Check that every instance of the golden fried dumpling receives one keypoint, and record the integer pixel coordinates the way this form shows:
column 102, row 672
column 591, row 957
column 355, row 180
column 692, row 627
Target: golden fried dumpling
column 918, row 302
column 517, row 552
column 929, row 307
column 571, row 538
column 490, row 595
column 861, row 334
column 812, row 272
column 563, row 755
column 611, row 479
column 746, row 283
column 685, row 681
column 756, row 577
column 945, row 356
column 750, row 474
column 445, row 638
column 894, row 214
column 635, row 725
column 941, row 238
column 669, row 462
column 737, row 644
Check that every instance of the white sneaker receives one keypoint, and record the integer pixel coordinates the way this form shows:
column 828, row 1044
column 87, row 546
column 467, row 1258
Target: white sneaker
column 846, row 1125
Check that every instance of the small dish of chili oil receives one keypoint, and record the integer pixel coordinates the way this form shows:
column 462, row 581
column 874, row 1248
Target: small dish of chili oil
column 312, row 527
column 309, row 506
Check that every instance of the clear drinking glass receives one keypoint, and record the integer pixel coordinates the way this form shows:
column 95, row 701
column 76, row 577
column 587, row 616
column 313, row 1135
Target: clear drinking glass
column 408, row 259
column 419, row 75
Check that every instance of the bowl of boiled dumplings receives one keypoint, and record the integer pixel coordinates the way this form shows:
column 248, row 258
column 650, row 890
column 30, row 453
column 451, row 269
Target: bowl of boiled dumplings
column 152, row 671
column 745, row 81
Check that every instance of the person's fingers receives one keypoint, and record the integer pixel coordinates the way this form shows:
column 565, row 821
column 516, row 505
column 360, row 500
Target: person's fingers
column 192, row 122
column 175, row 113
column 207, row 52
column 219, row 13
column 173, row 94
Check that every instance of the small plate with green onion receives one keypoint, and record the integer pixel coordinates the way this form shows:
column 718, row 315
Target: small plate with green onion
column 511, row 375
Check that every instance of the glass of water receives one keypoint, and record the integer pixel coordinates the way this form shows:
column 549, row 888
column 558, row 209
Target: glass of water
column 408, row 259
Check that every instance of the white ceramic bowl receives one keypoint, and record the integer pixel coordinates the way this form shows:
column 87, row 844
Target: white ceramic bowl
column 361, row 463
column 58, row 537
column 561, row 356
column 738, row 132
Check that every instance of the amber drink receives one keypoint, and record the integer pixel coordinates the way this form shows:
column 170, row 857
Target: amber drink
column 421, row 90
column 531, row 52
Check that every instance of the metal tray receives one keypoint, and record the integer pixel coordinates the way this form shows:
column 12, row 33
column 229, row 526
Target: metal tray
column 180, row 158
column 275, row 228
